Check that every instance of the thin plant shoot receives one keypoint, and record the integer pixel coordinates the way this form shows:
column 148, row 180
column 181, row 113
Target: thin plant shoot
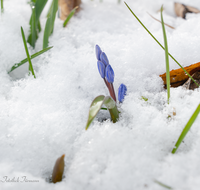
column 166, row 57
column 16, row 65
column 2, row 6
column 50, row 23
column 27, row 53
column 69, row 16
column 186, row 129
column 159, row 43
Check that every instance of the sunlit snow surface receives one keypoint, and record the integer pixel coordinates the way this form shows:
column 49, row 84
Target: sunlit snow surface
column 43, row 118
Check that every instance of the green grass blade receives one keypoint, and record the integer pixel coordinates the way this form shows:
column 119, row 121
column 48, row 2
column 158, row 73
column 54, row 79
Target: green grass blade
column 27, row 53
column 166, row 57
column 34, row 35
column 1, row 6
column 50, row 23
column 69, row 16
column 162, row 184
column 186, row 128
column 37, row 7
column 160, row 43
column 15, row 66
column 50, row 9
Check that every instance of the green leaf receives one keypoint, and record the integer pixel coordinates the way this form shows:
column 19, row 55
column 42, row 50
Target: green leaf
column 186, row 128
column 50, row 23
column 37, row 7
column 27, row 53
column 69, row 16
column 16, row 65
column 111, row 105
column 1, row 6
column 160, row 43
column 166, row 57
column 96, row 106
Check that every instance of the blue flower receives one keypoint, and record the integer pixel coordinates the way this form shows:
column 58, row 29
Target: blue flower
column 98, row 52
column 101, row 68
column 110, row 74
column 104, row 58
column 121, row 92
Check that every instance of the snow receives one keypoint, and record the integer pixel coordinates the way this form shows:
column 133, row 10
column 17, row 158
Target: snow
column 43, row 118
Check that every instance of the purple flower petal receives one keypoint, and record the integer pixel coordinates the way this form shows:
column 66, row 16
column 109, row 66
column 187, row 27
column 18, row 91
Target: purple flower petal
column 110, row 74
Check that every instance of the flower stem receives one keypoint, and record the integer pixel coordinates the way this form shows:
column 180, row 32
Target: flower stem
column 113, row 91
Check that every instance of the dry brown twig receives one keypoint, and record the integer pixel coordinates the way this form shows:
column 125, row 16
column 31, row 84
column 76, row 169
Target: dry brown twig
column 160, row 21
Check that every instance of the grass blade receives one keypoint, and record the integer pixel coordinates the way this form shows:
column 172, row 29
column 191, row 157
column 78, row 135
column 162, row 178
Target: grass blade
column 37, row 7
column 159, row 43
column 50, row 23
column 162, row 184
column 186, row 128
column 50, row 9
column 27, row 53
column 34, row 35
column 1, row 6
column 15, row 66
column 69, row 16
column 166, row 57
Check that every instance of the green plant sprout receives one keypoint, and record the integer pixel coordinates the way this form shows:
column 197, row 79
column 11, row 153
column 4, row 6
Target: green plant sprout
column 16, row 65
column 70, row 16
column 50, row 23
column 107, row 74
column 1, row 6
column 27, row 53
column 166, row 58
column 96, row 106
column 160, row 43
column 37, row 7
column 186, row 129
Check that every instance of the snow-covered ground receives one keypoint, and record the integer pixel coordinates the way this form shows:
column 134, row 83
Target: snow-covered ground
column 43, row 118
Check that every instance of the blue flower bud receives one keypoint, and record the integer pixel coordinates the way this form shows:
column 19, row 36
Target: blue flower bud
column 98, row 52
column 121, row 92
column 104, row 58
column 101, row 68
column 110, row 74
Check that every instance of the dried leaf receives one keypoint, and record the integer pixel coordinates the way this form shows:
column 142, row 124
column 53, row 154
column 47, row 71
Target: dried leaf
column 181, row 9
column 66, row 6
column 58, row 169
column 189, row 84
column 160, row 21
column 178, row 76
